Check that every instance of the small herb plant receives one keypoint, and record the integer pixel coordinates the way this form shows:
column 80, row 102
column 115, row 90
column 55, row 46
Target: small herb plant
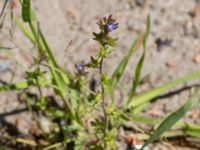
column 88, row 118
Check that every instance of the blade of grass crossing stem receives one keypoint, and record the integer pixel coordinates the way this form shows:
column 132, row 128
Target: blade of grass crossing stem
column 121, row 67
column 26, row 14
column 57, row 78
column 25, row 31
column 148, row 96
column 59, row 81
column 141, row 60
column 169, row 121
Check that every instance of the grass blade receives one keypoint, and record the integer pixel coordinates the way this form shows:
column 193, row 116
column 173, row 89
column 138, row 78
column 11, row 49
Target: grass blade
column 148, row 96
column 17, row 86
column 141, row 60
column 137, row 75
column 25, row 31
column 121, row 67
column 169, row 121
column 141, row 39
column 23, row 85
column 147, row 32
column 26, row 14
column 41, row 43
column 194, row 133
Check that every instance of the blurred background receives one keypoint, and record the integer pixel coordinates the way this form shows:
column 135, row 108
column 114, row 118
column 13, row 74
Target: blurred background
column 173, row 47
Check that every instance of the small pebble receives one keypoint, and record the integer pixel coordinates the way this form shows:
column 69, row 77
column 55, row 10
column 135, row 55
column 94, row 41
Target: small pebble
column 197, row 59
column 22, row 125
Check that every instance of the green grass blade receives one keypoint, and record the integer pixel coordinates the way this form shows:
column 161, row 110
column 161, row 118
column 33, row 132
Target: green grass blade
column 54, row 146
column 137, row 75
column 16, row 86
column 52, row 63
column 154, row 121
column 147, row 32
column 24, row 85
column 57, row 78
column 148, row 96
column 26, row 14
column 121, row 67
column 139, row 66
column 25, row 31
column 194, row 133
column 140, row 108
column 169, row 121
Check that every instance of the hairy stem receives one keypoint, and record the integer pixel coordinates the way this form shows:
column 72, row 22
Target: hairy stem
column 106, row 117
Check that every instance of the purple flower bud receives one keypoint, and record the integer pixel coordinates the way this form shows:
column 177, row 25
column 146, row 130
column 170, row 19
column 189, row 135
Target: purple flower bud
column 112, row 26
column 80, row 67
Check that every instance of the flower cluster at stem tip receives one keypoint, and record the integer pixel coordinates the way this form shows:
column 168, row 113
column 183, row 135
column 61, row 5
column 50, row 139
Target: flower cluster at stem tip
column 106, row 25
column 112, row 26
column 80, row 67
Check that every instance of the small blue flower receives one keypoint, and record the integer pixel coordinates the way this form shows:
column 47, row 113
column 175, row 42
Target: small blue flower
column 80, row 67
column 112, row 26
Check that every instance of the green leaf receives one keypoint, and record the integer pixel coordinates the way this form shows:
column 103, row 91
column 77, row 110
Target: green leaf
column 188, row 128
column 17, row 86
column 148, row 28
column 148, row 96
column 57, row 79
column 139, row 66
column 25, row 31
column 140, row 108
column 194, row 133
column 141, row 39
column 137, row 75
column 26, row 12
column 169, row 121
column 122, row 65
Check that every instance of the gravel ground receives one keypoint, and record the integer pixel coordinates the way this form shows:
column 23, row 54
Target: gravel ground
column 173, row 47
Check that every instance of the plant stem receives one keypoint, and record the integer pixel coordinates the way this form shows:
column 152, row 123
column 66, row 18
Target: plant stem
column 106, row 117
